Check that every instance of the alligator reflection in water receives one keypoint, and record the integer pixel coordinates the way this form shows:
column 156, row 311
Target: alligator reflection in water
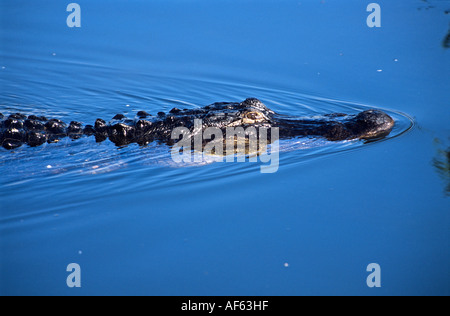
column 442, row 164
column 446, row 41
column 430, row 5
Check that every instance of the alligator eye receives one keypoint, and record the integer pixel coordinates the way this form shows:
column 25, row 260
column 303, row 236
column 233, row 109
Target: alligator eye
column 254, row 116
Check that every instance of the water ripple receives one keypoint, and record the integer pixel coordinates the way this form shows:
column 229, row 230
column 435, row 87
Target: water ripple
column 73, row 166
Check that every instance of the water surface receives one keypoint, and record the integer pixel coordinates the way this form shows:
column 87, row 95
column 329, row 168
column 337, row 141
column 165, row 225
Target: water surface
column 137, row 224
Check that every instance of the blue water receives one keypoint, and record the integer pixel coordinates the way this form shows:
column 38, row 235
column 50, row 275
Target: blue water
column 137, row 224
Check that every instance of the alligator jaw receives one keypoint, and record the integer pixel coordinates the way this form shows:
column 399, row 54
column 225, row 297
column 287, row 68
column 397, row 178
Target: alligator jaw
column 367, row 125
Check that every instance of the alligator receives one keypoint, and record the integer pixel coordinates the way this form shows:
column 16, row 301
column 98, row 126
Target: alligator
column 18, row 129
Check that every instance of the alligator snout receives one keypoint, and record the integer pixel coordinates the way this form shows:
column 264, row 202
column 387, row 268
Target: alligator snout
column 373, row 124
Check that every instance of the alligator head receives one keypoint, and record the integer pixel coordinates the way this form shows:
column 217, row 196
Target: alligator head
column 366, row 125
